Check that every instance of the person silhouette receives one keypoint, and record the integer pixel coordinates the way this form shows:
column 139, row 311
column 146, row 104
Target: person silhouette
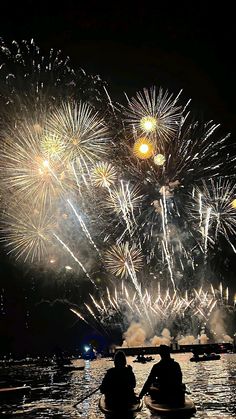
column 164, row 383
column 118, row 383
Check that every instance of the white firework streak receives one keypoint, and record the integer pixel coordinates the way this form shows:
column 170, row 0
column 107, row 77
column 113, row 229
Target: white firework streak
column 84, row 228
column 75, row 258
column 75, row 311
column 165, row 241
column 215, row 209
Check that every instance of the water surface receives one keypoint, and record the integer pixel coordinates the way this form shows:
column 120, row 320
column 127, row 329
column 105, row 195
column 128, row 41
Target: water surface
column 212, row 385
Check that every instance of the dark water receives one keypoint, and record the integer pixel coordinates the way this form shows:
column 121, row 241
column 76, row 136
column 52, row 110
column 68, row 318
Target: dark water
column 212, row 384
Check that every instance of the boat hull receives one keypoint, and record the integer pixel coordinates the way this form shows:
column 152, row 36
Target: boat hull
column 207, row 358
column 171, row 411
column 121, row 413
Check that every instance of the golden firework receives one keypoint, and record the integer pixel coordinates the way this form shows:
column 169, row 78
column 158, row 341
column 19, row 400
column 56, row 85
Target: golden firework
column 155, row 112
column 124, row 199
column 29, row 171
column 233, row 204
column 83, row 130
column 159, row 159
column 103, row 175
column 143, row 148
column 26, row 232
column 52, row 146
column 121, row 259
column 148, row 123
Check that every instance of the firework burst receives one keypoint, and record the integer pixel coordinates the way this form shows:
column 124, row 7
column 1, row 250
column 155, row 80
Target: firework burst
column 212, row 210
column 82, row 130
column 26, row 170
column 31, row 80
column 153, row 310
column 143, row 148
column 124, row 199
column 103, row 175
column 53, row 146
column 56, row 152
column 122, row 258
column 155, row 113
column 27, row 233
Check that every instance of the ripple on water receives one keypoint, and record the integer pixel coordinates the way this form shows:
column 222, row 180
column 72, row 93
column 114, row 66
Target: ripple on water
column 212, row 385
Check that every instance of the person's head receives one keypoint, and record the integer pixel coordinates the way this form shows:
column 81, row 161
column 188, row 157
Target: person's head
column 164, row 351
column 120, row 359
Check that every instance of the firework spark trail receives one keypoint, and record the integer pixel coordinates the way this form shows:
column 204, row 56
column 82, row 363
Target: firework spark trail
column 75, row 258
column 94, row 325
column 200, row 210
column 206, row 229
column 162, row 307
column 84, row 228
column 77, row 179
column 95, row 303
column 123, row 200
column 165, row 241
column 137, row 286
column 104, row 306
column 216, row 211
column 90, row 311
column 78, row 314
column 110, row 102
column 124, row 210
column 227, row 294
column 221, row 290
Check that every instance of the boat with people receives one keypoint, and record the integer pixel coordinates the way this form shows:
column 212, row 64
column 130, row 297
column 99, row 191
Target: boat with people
column 185, row 410
column 143, row 359
column 122, row 412
column 205, row 357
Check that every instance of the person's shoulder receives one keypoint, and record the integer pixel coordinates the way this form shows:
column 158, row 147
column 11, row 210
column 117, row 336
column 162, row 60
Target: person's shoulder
column 176, row 363
column 156, row 366
column 111, row 370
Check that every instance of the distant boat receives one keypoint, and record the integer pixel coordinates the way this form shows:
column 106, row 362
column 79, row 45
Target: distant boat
column 144, row 359
column 210, row 357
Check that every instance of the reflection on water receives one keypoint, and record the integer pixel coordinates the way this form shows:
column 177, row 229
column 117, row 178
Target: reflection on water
column 212, row 384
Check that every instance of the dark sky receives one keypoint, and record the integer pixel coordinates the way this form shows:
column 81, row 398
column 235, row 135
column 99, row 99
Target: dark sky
column 133, row 45
column 176, row 45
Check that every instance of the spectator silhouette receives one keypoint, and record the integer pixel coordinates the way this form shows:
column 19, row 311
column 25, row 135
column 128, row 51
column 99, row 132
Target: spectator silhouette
column 164, row 383
column 119, row 383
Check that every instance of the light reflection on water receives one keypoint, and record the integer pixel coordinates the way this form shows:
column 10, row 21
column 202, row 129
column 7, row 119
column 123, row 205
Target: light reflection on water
column 212, row 384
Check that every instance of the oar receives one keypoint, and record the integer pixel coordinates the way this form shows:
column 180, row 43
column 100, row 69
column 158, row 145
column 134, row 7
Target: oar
column 187, row 390
column 85, row 397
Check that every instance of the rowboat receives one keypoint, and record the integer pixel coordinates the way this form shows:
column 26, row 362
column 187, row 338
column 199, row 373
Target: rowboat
column 144, row 359
column 211, row 357
column 123, row 412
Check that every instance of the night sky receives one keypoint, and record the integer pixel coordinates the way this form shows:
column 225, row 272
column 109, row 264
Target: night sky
column 176, row 46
